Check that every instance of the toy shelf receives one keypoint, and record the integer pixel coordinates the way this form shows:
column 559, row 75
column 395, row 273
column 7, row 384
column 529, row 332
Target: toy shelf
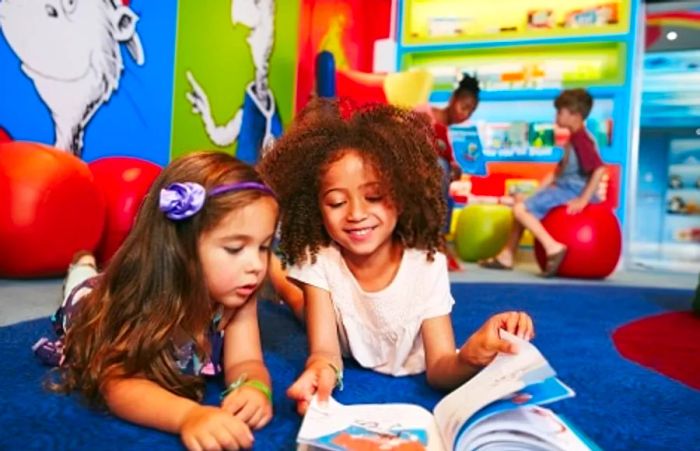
column 459, row 21
column 515, row 68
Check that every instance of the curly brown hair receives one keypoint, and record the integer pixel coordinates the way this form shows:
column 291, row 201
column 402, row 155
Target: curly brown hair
column 398, row 143
column 153, row 290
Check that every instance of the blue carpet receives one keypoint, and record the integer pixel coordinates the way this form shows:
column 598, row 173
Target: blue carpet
column 619, row 405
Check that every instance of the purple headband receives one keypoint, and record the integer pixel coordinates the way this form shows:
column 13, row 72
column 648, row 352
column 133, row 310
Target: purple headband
column 182, row 200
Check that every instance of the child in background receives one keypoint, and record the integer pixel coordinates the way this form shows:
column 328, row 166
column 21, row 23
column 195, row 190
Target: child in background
column 460, row 107
column 177, row 301
column 573, row 183
column 361, row 226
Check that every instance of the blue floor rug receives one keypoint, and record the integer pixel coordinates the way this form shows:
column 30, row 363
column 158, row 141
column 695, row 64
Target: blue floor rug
column 619, row 405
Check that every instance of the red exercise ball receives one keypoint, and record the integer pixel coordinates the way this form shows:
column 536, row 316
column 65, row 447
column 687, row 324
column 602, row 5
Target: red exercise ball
column 4, row 136
column 124, row 182
column 593, row 238
column 50, row 208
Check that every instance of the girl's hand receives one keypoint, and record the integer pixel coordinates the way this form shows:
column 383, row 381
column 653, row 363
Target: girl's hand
column 207, row 427
column 249, row 405
column 318, row 378
column 481, row 348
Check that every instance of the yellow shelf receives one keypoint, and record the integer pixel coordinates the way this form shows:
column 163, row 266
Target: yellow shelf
column 525, row 67
column 434, row 22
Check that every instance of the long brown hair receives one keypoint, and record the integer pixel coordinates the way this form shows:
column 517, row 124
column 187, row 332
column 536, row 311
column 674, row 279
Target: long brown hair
column 398, row 143
column 153, row 290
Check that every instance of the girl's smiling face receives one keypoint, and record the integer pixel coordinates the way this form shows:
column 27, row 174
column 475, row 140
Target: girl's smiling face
column 358, row 212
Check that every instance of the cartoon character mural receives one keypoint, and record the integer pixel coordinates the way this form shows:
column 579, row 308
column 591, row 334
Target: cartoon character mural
column 256, row 123
column 74, row 61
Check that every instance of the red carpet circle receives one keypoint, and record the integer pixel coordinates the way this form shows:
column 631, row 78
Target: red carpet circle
column 668, row 343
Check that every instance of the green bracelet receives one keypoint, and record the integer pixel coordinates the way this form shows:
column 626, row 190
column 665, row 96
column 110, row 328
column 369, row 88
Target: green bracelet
column 242, row 381
column 261, row 386
column 338, row 376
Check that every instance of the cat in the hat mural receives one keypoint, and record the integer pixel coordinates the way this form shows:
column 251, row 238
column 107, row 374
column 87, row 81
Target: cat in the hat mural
column 256, row 123
column 70, row 50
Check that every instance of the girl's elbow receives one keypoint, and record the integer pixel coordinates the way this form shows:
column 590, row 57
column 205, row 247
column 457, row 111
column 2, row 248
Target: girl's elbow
column 435, row 380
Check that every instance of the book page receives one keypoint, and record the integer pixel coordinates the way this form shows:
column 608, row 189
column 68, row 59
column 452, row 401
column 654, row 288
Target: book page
column 538, row 423
column 506, row 374
column 399, row 427
column 548, row 391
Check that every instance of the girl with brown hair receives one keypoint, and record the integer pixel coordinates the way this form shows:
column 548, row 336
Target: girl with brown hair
column 177, row 301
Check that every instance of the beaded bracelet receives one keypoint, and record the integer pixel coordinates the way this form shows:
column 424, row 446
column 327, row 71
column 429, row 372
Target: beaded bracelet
column 242, row 381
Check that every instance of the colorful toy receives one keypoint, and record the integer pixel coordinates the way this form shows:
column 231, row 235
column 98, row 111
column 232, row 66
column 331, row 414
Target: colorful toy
column 593, row 238
column 50, row 208
column 482, row 230
column 123, row 181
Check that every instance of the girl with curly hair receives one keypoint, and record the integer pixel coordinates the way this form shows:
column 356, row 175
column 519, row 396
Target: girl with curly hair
column 361, row 220
column 176, row 302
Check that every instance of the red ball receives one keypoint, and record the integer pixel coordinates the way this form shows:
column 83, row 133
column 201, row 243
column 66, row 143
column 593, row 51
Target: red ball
column 4, row 136
column 593, row 238
column 50, row 208
column 124, row 182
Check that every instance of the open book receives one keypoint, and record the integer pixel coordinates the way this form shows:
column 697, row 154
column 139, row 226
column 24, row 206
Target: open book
column 499, row 408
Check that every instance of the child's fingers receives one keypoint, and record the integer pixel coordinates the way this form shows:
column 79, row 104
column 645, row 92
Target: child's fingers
column 248, row 411
column 256, row 420
column 303, row 388
column 512, row 322
column 191, row 443
column 240, row 432
column 261, row 418
column 506, row 347
column 232, row 404
column 527, row 327
column 302, row 406
column 326, row 384
column 206, row 442
column 224, row 439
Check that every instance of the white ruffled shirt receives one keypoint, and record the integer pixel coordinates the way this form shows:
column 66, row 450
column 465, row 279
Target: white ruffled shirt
column 381, row 330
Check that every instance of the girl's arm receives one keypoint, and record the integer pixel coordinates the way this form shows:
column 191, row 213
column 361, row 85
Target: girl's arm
column 324, row 364
column 144, row 402
column 250, row 396
column 444, row 370
column 447, row 367
column 321, row 328
column 242, row 348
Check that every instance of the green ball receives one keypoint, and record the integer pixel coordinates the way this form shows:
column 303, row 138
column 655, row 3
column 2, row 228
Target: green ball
column 482, row 231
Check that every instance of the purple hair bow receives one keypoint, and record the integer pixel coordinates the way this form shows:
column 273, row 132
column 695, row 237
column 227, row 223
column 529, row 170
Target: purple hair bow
column 182, row 200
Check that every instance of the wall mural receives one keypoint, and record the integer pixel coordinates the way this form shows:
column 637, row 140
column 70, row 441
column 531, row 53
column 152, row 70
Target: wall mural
column 103, row 78
column 70, row 52
column 257, row 122
column 234, row 84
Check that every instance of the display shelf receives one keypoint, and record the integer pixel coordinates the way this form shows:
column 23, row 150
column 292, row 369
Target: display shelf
column 523, row 57
column 597, row 92
column 524, row 67
column 444, row 22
